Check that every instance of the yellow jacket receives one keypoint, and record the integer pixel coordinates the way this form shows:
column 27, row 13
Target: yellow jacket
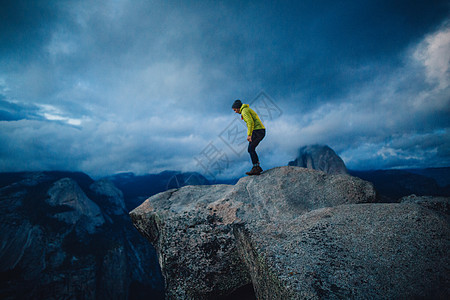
column 251, row 118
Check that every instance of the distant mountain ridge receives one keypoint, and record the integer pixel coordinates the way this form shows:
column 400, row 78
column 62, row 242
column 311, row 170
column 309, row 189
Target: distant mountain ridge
column 66, row 236
column 392, row 184
column 441, row 175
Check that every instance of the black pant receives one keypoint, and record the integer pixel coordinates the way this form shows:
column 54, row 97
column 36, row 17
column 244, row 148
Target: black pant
column 257, row 137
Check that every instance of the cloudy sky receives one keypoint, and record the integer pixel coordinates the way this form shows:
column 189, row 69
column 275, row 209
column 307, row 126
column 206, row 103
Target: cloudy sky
column 146, row 86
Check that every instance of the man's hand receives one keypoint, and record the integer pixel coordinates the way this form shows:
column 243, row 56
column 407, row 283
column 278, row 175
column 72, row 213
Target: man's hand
column 249, row 138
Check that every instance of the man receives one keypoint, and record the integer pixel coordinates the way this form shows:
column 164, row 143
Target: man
column 255, row 132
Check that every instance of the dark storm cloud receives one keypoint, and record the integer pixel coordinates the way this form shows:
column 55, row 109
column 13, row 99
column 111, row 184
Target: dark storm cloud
column 146, row 85
column 315, row 48
column 25, row 27
column 15, row 111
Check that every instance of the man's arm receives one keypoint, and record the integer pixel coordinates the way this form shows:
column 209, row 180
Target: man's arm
column 250, row 124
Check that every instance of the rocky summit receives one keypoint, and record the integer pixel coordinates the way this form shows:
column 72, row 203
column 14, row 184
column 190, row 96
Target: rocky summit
column 296, row 233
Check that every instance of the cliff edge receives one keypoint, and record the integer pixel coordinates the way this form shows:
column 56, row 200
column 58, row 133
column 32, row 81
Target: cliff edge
column 295, row 233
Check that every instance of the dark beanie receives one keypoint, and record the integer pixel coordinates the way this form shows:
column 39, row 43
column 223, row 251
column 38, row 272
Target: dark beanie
column 237, row 104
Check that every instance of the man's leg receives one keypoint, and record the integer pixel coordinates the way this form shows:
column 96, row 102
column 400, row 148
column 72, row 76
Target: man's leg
column 257, row 136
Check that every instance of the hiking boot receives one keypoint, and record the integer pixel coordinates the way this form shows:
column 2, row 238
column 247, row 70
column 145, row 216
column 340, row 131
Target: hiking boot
column 253, row 171
column 260, row 170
